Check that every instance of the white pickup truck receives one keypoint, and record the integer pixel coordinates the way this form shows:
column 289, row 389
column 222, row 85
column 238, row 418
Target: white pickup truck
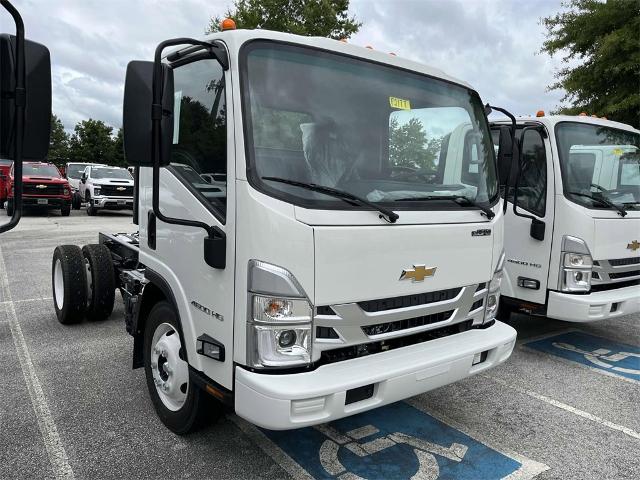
column 104, row 187
column 572, row 240
column 338, row 265
column 73, row 173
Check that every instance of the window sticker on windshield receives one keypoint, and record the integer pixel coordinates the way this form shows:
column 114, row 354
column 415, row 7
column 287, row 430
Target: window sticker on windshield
column 399, row 103
column 177, row 102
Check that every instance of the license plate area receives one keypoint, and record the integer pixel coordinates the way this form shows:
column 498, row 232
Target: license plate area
column 43, row 201
column 122, row 202
column 358, row 394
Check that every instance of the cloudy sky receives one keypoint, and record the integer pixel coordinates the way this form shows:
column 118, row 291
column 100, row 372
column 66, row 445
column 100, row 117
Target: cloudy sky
column 492, row 44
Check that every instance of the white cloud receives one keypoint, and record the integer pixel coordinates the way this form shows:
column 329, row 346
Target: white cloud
column 492, row 44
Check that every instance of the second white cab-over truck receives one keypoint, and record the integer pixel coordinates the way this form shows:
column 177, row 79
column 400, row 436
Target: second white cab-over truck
column 572, row 242
column 351, row 253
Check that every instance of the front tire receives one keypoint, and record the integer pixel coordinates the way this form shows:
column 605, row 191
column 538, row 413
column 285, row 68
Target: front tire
column 69, row 283
column 65, row 210
column 101, row 284
column 91, row 210
column 76, row 201
column 9, row 208
column 182, row 406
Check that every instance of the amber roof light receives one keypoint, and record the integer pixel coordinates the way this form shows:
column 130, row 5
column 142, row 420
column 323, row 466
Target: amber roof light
column 227, row 24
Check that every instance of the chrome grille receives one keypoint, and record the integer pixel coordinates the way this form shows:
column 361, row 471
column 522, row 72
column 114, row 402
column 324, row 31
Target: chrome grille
column 616, row 270
column 360, row 323
column 42, row 189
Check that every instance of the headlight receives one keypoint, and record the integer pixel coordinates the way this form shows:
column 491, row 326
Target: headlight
column 66, row 191
column 279, row 327
column 576, row 265
column 96, row 191
column 493, row 295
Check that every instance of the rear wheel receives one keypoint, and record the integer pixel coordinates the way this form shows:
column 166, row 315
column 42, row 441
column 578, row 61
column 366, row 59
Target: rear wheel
column 69, row 283
column 181, row 405
column 101, row 284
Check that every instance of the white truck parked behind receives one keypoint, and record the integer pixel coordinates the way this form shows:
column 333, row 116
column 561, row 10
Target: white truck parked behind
column 104, row 187
column 73, row 173
column 338, row 270
column 572, row 241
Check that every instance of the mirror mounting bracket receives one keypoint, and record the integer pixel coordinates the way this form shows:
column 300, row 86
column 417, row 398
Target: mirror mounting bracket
column 487, row 110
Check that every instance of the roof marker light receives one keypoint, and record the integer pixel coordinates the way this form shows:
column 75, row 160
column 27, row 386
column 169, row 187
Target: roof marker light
column 594, row 116
column 343, row 40
column 369, row 47
column 582, row 114
column 540, row 113
column 391, row 53
column 227, row 24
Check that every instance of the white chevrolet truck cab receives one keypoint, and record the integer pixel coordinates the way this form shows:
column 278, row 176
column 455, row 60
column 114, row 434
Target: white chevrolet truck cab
column 104, row 187
column 336, row 269
column 572, row 242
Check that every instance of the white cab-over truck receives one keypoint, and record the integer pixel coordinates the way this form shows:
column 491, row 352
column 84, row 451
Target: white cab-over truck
column 336, row 270
column 573, row 242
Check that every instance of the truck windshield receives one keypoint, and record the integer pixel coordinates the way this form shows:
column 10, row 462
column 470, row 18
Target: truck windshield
column 118, row 173
column 599, row 163
column 374, row 131
column 39, row 170
column 74, row 170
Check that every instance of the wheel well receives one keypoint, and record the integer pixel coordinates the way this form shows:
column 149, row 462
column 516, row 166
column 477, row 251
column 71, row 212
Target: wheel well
column 152, row 294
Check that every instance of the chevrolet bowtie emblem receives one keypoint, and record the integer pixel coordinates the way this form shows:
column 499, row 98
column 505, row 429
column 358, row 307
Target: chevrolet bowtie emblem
column 633, row 245
column 41, row 186
column 418, row 273
column 120, row 189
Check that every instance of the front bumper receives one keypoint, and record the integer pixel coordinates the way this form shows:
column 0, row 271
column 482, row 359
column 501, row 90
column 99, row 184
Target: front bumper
column 594, row 306
column 281, row 402
column 51, row 202
column 113, row 203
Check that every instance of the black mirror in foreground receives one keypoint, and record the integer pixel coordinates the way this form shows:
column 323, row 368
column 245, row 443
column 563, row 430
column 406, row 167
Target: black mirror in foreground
column 25, row 104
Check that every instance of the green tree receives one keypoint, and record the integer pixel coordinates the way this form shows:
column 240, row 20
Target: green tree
column 409, row 147
column 92, row 142
column 605, row 37
column 58, row 142
column 118, row 149
column 324, row 18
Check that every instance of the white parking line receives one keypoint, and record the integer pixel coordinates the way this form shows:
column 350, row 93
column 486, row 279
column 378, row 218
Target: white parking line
column 50, row 437
column 26, row 300
column 568, row 408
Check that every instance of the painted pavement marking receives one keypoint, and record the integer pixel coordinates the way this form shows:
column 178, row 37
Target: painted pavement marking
column 595, row 352
column 397, row 441
column 55, row 450
column 564, row 406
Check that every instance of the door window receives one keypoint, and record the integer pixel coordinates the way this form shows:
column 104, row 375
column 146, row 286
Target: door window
column 199, row 153
column 532, row 182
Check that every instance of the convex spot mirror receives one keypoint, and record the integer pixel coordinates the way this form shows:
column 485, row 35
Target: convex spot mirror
column 37, row 125
column 137, row 117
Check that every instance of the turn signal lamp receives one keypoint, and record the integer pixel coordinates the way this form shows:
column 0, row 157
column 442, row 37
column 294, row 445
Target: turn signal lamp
column 540, row 113
column 227, row 24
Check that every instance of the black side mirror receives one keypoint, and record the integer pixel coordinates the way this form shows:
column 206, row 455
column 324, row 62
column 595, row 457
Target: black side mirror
column 36, row 97
column 138, row 114
column 537, row 229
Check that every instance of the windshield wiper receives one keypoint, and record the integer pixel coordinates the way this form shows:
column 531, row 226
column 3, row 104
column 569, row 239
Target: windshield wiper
column 621, row 211
column 386, row 214
column 459, row 199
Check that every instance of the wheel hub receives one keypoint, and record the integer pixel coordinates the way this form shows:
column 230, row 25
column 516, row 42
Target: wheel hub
column 170, row 372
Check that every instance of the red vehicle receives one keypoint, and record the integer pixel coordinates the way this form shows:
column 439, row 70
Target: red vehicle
column 5, row 166
column 43, row 186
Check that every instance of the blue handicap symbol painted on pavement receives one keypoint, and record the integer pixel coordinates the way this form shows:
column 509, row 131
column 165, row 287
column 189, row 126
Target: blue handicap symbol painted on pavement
column 596, row 352
column 393, row 442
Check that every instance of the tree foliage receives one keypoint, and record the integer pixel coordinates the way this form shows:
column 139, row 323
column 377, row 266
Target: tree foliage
column 58, row 142
column 324, row 18
column 92, row 142
column 605, row 37
column 409, row 147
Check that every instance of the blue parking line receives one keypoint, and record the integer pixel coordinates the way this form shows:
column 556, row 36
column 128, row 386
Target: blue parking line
column 596, row 352
column 393, row 442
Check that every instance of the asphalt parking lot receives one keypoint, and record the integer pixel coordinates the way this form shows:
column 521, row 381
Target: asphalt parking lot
column 564, row 406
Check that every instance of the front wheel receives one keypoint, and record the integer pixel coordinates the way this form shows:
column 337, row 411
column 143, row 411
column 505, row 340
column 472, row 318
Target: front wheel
column 65, row 210
column 181, row 405
column 9, row 208
column 76, row 201
column 91, row 210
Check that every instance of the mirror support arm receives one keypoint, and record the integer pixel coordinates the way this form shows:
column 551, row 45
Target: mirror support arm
column 488, row 108
column 20, row 100
column 215, row 234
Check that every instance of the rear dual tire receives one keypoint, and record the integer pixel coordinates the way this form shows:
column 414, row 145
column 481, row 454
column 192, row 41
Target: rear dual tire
column 83, row 283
